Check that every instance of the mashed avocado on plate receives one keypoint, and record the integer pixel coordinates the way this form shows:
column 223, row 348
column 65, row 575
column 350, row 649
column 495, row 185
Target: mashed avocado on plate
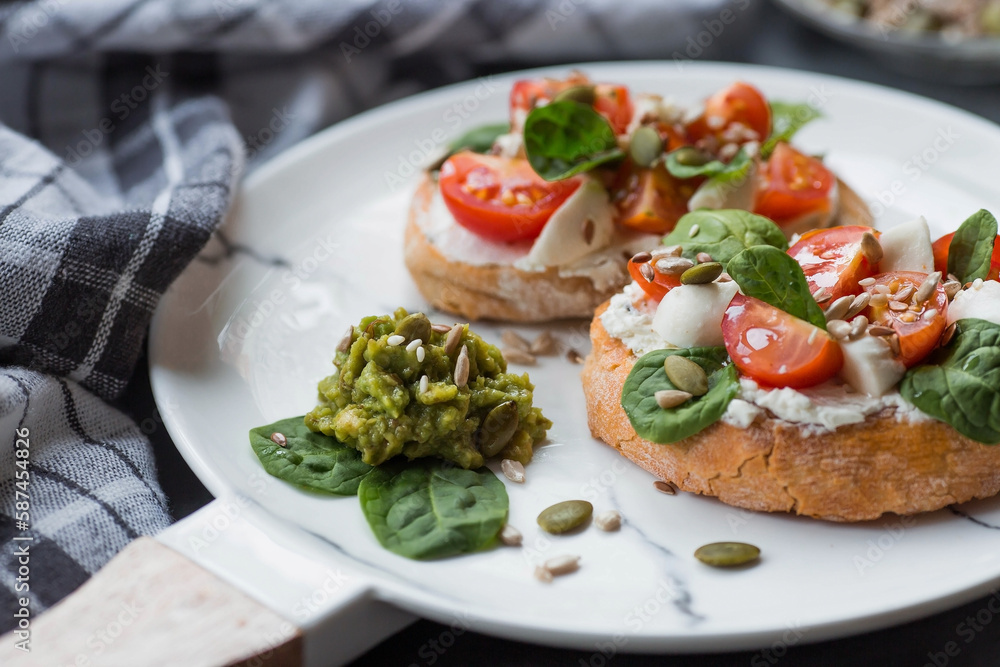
column 379, row 403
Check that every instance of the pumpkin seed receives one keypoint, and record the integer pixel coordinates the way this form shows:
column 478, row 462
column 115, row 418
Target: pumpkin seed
column 700, row 274
column 689, row 156
column 413, row 327
column 645, row 146
column 671, row 398
column 565, row 516
column 581, row 94
column 513, row 470
column 727, row 554
column 686, row 375
column 453, row 339
column 608, row 521
column 497, row 429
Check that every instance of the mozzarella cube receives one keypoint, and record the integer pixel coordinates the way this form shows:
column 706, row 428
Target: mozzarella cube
column 870, row 367
column 718, row 194
column 907, row 247
column 691, row 315
column 982, row 303
column 580, row 226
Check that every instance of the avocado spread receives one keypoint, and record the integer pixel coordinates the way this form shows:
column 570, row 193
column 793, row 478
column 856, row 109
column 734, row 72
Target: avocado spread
column 378, row 402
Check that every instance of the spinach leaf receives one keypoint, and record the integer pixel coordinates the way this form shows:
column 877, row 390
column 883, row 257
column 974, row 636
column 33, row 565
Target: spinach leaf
column 431, row 509
column 787, row 119
column 972, row 247
column 647, row 377
column 773, row 276
column 478, row 139
column 312, row 460
column 960, row 383
column 566, row 138
column 737, row 168
column 724, row 233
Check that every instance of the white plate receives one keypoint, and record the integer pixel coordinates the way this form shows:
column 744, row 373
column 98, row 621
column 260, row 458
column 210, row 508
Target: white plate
column 242, row 341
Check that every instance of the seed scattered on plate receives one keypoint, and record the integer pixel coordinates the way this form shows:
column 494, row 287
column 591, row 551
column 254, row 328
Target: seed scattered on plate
column 608, row 521
column 519, row 357
column 279, row 439
column 514, row 341
column 565, row 516
column 574, row 356
column 511, row 536
column 512, row 470
column 665, row 487
column 542, row 574
column 544, row 345
column 727, row 554
column 395, row 340
column 561, row 565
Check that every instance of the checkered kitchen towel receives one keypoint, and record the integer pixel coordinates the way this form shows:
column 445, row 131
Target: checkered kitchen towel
column 125, row 124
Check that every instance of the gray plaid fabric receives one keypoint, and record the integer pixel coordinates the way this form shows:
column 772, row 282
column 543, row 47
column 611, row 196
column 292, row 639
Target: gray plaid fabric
column 117, row 165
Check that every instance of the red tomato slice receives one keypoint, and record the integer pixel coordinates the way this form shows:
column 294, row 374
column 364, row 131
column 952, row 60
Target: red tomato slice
column 778, row 349
column 661, row 283
column 941, row 256
column 832, row 259
column 651, row 200
column 793, row 185
column 739, row 103
column 918, row 333
column 499, row 198
column 611, row 101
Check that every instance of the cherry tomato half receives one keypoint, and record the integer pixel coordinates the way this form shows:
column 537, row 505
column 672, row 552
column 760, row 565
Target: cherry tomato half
column 919, row 326
column 778, row 349
column 942, row 245
column 792, row 185
column 610, row 100
column 659, row 285
column 739, row 103
column 832, row 259
column 499, row 198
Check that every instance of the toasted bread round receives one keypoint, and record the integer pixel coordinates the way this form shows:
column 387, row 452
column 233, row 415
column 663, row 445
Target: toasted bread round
column 855, row 473
column 503, row 292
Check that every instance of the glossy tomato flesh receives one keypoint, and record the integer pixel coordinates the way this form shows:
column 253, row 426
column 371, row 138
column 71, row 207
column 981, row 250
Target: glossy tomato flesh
column 792, row 185
column 500, row 199
column 918, row 329
column 942, row 245
column 610, row 100
column 778, row 349
column 661, row 283
column 832, row 259
column 739, row 103
column 651, row 200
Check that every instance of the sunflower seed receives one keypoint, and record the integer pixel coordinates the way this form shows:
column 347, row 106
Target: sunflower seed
column 879, row 330
column 701, row 274
column 927, row 287
column 573, row 356
column 641, row 257
column 665, row 487
column 879, row 300
column 608, row 521
column 453, row 339
column 693, row 232
column 395, row 340
column 647, row 272
column 562, row 565
column 671, row 398
column 904, row 294
column 673, row 266
column 441, row 328
column 421, row 354
column 667, row 251
column 858, row 327
column 514, row 341
column 544, row 345
column 279, row 439
column 883, row 289
column 838, row 309
column 414, row 344
column 871, row 248
column 512, row 470
column 462, row 367
column 686, row 375
column 727, row 554
column 860, row 303
column 703, row 257
column 893, row 341
column 866, row 282
column 543, row 574
column 948, row 333
column 839, row 329
column 953, row 278
column 822, row 295
column 510, row 536
column 519, row 357
column 345, row 342
column 898, row 306
column 951, row 288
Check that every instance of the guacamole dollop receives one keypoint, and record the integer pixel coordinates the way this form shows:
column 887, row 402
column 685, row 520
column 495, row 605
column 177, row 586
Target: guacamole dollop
column 377, row 402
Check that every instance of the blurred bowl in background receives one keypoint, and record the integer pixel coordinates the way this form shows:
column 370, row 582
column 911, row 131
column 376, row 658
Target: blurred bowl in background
column 938, row 56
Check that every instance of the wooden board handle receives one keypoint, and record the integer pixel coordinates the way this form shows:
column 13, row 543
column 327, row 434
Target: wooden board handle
column 152, row 606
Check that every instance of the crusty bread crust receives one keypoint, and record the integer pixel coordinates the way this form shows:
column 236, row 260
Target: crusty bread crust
column 504, row 293
column 855, row 473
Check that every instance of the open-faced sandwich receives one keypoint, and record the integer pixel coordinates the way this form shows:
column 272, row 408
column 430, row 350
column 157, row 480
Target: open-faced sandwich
column 535, row 221
column 853, row 374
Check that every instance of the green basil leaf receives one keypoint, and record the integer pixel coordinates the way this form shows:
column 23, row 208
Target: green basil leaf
column 647, row 377
column 773, row 276
column 565, row 138
column 479, row 139
column 972, row 247
column 312, row 460
column 960, row 383
column 432, row 509
column 787, row 119
column 737, row 168
column 724, row 233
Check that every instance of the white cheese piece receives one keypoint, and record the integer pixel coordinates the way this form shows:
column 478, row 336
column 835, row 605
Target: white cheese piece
column 982, row 303
column 907, row 247
column 510, row 145
column 718, row 194
column 584, row 223
column 870, row 367
column 691, row 315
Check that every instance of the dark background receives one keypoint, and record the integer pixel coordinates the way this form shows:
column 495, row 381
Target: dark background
column 778, row 41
